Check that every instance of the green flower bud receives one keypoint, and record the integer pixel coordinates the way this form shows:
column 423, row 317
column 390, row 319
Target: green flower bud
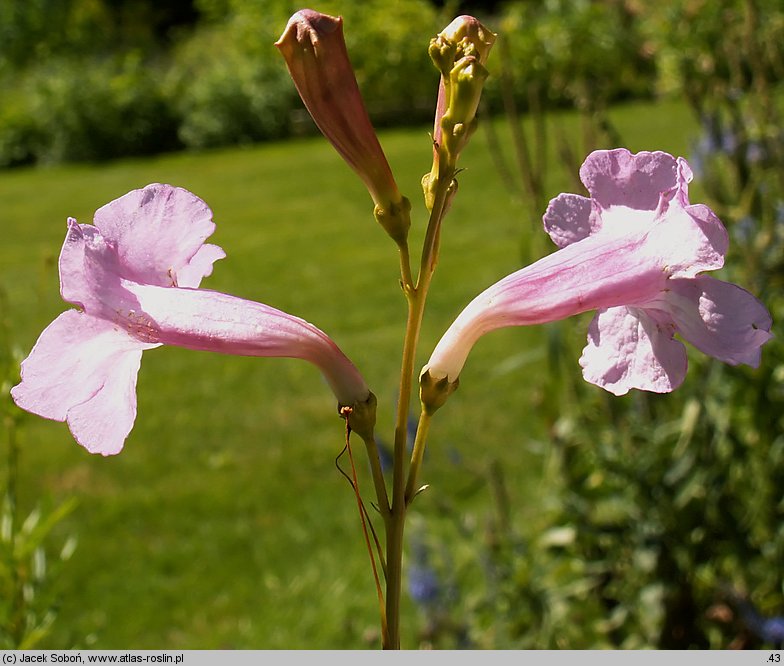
column 469, row 37
column 466, row 81
column 459, row 52
column 361, row 416
column 395, row 218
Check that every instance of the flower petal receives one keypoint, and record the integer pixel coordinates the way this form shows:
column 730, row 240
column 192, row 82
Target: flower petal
column 687, row 241
column 685, row 175
column 602, row 271
column 90, row 274
column 715, row 240
column 200, row 266
column 74, row 288
column 78, row 361
column 631, row 348
column 157, row 231
column 568, row 219
column 103, row 423
column 720, row 319
column 621, row 178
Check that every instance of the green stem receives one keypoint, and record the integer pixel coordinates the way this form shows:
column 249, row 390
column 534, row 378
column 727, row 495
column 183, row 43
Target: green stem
column 378, row 477
column 395, row 525
column 416, row 297
column 407, row 279
column 365, row 521
column 446, row 172
column 417, row 455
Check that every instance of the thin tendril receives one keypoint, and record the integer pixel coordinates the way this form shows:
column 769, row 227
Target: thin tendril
column 364, row 517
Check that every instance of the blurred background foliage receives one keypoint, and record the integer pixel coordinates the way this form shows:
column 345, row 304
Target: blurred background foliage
column 658, row 521
column 96, row 79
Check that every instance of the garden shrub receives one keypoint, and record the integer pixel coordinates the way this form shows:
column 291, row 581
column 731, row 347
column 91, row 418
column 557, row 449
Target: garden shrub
column 77, row 110
column 227, row 83
column 581, row 53
column 223, row 83
column 20, row 135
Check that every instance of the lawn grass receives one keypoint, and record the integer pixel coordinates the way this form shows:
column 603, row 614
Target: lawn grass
column 224, row 523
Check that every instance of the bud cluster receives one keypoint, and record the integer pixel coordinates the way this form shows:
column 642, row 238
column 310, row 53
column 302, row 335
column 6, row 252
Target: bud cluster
column 459, row 52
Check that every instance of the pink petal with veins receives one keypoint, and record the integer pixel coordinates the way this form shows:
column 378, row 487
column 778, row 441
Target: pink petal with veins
column 633, row 251
column 630, row 348
column 200, row 266
column 720, row 319
column 157, row 230
column 568, row 219
column 83, row 370
column 620, row 178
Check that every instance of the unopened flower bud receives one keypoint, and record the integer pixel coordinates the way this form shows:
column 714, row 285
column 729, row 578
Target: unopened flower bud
column 442, row 52
column 459, row 52
column 470, row 37
column 467, row 79
column 315, row 53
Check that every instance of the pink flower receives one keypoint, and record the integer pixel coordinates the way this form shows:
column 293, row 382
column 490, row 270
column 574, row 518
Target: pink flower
column 633, row 251
column 133, row 277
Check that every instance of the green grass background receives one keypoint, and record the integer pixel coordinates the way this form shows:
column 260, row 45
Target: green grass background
column 224, row 523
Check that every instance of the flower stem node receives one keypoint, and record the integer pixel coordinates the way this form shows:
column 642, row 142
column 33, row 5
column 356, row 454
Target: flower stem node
column 395, row 218
column 429, row 186
column 361, row 416
column 433, row 392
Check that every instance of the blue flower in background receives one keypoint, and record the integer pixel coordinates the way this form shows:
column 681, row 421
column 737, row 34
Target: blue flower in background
column 384, row 454
column 772, row 631
column 423, row 585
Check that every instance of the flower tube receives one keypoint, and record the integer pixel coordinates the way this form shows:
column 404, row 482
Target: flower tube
column 133, row 277
column 634, row 251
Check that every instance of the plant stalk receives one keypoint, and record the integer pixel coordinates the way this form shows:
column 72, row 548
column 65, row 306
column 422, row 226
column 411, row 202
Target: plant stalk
column 416, row 297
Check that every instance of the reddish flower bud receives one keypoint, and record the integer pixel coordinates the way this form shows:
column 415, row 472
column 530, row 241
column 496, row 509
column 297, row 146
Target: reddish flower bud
column 318, row 61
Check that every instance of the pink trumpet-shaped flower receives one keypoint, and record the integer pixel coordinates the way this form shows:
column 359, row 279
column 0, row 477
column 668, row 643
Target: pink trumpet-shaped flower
column 633, row 251
column 134, row 278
